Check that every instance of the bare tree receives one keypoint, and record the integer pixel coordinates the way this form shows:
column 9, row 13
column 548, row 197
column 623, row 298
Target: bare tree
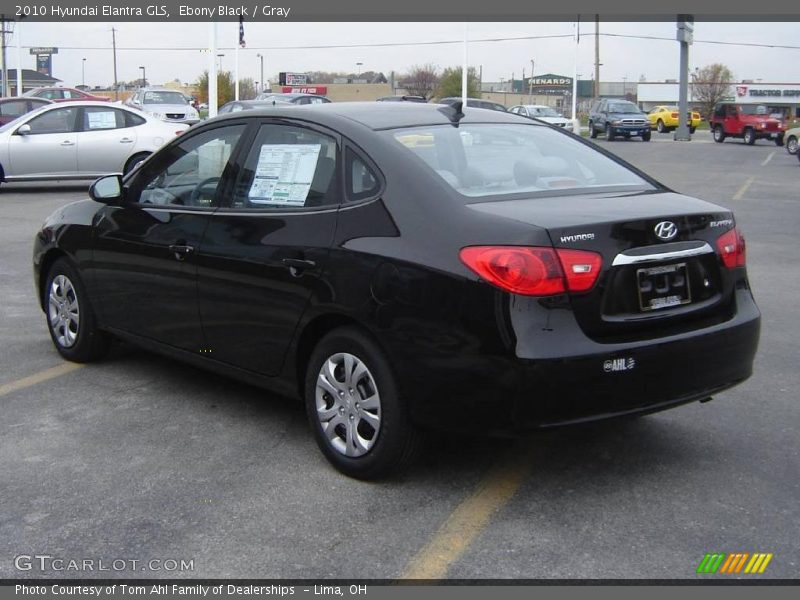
column 422, row 80
column 710, row 85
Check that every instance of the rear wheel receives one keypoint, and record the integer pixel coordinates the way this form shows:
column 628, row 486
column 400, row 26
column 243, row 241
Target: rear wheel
column 719, row 134
column 354, row 409
column 70, row 318
column 609, row 133
column 749, row 136
column 592, row 130
column 660, row 126
column 692, row 129
column 791, row 145
column 779, row 140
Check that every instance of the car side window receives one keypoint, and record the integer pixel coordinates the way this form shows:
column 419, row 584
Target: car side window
column 361, row 181
column 188, row 173
column 133, row 120
column 98, row 118
column 288, row 167
column 60, row 120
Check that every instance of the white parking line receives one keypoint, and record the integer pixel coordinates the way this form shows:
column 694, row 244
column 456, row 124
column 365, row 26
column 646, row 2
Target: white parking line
column 769, row 158
column 743, row 190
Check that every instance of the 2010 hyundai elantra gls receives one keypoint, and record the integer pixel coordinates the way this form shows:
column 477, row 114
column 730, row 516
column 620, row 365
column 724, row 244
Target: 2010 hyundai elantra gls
column 405, row 267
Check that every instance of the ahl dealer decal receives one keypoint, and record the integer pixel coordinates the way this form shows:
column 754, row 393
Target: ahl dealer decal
column 619, row 364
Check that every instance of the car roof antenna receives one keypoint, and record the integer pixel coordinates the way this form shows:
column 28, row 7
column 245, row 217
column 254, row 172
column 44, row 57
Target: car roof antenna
column 453, row 112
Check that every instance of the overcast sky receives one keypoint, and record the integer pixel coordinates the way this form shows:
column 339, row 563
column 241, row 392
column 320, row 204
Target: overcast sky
column 140, row 44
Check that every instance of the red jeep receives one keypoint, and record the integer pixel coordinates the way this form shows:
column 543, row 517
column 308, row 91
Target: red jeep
column 750, row 122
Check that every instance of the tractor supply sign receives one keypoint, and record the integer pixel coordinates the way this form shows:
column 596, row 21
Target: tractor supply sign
column 787, row 92
column 319, row 90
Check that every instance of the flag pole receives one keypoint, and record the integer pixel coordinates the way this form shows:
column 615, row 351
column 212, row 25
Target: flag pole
column 464, row 69
column 212, row 70
column 576, row 124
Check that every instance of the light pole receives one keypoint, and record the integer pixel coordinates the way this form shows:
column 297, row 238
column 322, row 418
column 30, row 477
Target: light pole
column 358, row 67
column 219, row 56
column 261, row 57
column 144, row 77
column 83, row 72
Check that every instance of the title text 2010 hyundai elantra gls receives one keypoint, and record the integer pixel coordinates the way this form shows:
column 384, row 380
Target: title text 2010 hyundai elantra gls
column 404, row 267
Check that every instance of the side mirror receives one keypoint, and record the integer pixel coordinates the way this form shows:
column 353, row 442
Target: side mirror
column 107, row 189
column 24, row 130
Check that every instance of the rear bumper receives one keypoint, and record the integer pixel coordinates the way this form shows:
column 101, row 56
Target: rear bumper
column 576, row 380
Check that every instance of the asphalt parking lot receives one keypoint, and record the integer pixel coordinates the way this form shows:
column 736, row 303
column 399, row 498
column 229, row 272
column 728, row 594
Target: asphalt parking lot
column 140, row 458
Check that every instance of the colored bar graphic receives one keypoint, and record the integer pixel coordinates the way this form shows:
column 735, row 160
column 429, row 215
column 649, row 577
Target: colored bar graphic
column 733, row 563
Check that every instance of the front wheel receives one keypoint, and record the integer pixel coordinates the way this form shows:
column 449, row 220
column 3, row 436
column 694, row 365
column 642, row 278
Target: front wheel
column 719, row 134
column 692, row 129
column 791, row 145
column 660, row 126
column 354, row 409
column 646, row 136
column 609, row 133
column 779, row 140
column 749, row 136
column 70, row 318
column 592, row 131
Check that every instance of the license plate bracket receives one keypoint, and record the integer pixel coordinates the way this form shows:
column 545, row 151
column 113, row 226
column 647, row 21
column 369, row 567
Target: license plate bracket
column 664, row 286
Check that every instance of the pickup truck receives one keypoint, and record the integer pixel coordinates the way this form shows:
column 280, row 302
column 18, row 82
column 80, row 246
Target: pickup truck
column 618, row 117
column 750, row 122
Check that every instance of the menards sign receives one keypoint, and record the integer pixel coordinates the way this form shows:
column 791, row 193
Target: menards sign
column 550, row 84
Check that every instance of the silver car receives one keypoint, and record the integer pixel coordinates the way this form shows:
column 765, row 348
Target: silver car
column 79, row 140
column 167, row 105
column 541, row 112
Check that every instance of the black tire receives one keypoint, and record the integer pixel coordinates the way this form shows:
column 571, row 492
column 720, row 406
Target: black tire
column 749, row 136
column 396, row 442
column 792, row 145
column 592, row 131
column 719, row 134
column 83, row 342
column 646, row 136
column 609, row 133
column 779, row 140
column 692, row 129
column 660, row 126
column 133, row 161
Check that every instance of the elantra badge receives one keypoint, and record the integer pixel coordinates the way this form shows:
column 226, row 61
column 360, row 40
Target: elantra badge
column 666, row 230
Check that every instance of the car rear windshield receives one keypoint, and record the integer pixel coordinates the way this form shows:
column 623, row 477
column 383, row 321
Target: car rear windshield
column 164, row 98
column 488, row 159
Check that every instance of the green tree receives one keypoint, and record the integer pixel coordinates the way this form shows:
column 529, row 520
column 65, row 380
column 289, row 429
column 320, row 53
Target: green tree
column 710, row 85
column 450, row 83
column 247, row 89
column 225, row 90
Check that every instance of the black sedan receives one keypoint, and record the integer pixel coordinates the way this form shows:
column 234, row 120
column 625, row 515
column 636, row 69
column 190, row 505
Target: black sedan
column 403, row 268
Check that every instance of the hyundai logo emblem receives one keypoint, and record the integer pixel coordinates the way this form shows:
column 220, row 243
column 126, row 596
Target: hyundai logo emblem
column 666, row 230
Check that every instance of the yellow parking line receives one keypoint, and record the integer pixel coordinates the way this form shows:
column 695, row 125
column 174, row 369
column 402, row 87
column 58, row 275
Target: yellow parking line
column 468, row 520
column 743, row 190
column 39, row 377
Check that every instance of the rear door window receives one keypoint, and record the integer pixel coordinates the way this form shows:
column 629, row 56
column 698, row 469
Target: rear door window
column 288, row 168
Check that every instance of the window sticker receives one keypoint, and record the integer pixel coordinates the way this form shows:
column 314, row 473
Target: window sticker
column 102, row 120
column 284, row 174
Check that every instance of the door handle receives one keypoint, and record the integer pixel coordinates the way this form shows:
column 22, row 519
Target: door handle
column 181, row 251
column 297, row 265
column 67, row 143
column 126, row 141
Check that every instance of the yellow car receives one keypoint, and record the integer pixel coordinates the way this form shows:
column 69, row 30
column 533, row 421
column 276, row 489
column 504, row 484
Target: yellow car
column 665, row 118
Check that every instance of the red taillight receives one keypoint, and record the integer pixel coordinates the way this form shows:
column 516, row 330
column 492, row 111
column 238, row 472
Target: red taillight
column 581, row 268
column 731, row 248
column 674, row 115
column 534, row 271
